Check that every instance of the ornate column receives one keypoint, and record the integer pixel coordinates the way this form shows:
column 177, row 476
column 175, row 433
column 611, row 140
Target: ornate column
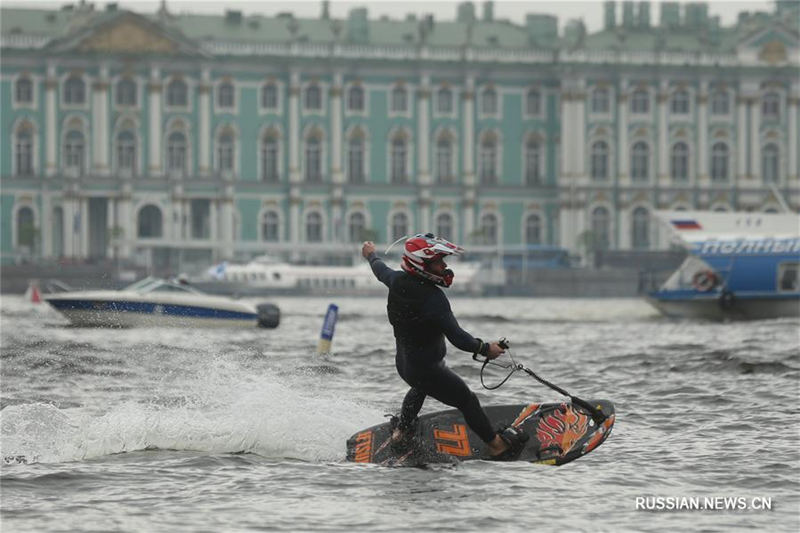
column 51, row 127
column 46, row 225
column 154, row 89
column 125, row 222
column 294, row 130
column 294, row 214
column 622, row 135
column 214, row 233
column 83, row 231
column 741, row 136
column 469, row 130
column 755, row 140
column 204, row 135
column 662, row 173
column 794, row 103
column 111, row 222
column 579, row 132
column 702, row 134
column 337, row 175
column 100, row 135
column 68, row 206
column 423, row 131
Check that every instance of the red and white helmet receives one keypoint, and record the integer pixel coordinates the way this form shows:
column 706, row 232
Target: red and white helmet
column 423, row 249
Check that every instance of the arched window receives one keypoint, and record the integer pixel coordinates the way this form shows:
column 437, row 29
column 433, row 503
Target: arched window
column 399, row 226
column 314, row 227
column 679, row 104
column 444, row 159
column 313, row 97
column 225, row 151
column 489, row 228
column 679, row 162
column 489, row 101
column 533, row 229
column 356, row 227
column 444, row 101
column 399, row 99
column 355, row 158
column 126, row 151
column 126, row 92
column 601, row 228
column 533, row 162
column 599, row 164
column 23, row 90
column 770, row 163
column 488, row 159
column 444, row 226
column 225, row 95
column 150, row 223
column 74, row 90
column 269, row 96
column 640, row 101
column 640, row 161
column 269, row 157
column 313, row 165
column 176, row 152
column 74, row 151
column 771, row 106
column 719, row 162
column 270, row 224
column 26, row 231
column 641, row 229
column 600, row 100
column 355, row 98
column 720, row 102
column 177, row 93
column 24, row 150
column 533, row 102
column 399, row 159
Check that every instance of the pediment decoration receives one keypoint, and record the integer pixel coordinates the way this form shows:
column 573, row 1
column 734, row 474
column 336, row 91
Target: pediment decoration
column 128, row 37
column 125, row 33
column 773, row 52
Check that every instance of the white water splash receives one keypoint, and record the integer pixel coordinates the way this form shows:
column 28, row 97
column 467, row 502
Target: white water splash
column 222, row 412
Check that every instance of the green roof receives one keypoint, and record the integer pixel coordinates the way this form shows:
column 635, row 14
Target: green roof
column 498, row 34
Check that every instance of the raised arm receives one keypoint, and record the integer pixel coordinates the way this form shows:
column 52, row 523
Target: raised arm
column 379, row 268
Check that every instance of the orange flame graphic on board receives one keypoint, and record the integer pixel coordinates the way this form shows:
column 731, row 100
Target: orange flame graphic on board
column 563, row 428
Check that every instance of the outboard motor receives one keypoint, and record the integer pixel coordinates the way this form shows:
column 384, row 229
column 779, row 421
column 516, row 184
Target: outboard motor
column 269, row 316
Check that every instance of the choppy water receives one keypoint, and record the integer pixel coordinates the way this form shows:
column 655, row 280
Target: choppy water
column 210, row 430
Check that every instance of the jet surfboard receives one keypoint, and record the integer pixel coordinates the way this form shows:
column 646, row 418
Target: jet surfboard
column 559, row 433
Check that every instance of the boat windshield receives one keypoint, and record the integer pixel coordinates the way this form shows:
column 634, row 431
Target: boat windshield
column 683, row 277
column 151, row 284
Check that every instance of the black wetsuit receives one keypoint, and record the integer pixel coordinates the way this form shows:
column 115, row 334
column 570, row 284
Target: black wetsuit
column 421, row 317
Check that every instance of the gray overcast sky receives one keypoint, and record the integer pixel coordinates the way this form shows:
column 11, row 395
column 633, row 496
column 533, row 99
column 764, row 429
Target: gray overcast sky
column 590, row 11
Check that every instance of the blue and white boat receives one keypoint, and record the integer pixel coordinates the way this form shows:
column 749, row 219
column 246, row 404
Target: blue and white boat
column 740, row 266
column 159, row 302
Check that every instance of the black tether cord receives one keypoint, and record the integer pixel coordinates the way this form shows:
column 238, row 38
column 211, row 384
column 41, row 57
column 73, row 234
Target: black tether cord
column 597, row 415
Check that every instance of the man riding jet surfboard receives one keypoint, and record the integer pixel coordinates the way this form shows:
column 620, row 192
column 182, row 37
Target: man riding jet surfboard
column 421, row 317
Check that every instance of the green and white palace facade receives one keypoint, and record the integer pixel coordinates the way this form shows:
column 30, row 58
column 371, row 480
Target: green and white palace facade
column 209, row 137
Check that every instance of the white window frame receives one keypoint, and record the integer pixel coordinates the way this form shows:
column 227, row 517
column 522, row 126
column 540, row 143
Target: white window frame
column 363, row 112
column 542, row 164
column 86, row 88
column 453, row 220
column 542, row 102
column 323, row 87
column 234, row 171
column 323, row 225
column 165, row 100
column 233, row 109
column 263, row 213
column 34, row 148
column 267, row 128
column 453, row 102
column 409, row 90
column 115, row 92
column 542, row 226
column 349, row 136
column 498, row 113
column 278, row 97
column 34, row 103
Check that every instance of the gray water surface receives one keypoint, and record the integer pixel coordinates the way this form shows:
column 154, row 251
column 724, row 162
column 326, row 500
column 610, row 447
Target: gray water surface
column 229, row 430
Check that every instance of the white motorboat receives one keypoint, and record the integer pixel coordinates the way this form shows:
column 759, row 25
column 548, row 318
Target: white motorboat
column 159, row 302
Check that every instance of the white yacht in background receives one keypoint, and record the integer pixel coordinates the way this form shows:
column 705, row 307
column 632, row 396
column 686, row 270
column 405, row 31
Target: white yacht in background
column 159, row 302
column 266, row 274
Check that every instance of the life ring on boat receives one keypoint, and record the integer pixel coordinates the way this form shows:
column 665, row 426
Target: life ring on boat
column 726, row 300
column 705, row 280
